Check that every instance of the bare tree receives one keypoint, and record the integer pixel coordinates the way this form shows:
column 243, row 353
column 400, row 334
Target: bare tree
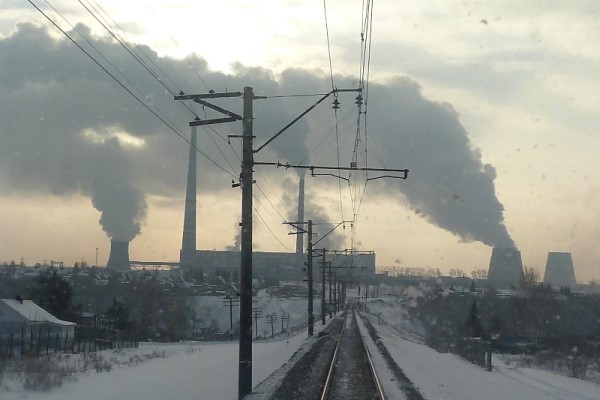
column 531, row 276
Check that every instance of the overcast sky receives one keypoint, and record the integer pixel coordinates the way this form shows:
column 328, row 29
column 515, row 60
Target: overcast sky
column 493, row 107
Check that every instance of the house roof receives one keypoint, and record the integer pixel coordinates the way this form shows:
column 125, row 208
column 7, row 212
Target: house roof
column 34, row 313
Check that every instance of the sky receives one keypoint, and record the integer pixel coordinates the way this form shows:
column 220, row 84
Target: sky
column 491, row 105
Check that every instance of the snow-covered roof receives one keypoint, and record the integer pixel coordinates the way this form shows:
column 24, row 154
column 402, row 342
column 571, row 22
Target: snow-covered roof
column 34, row 313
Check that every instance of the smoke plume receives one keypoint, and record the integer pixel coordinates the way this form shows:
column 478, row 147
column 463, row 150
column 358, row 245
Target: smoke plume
column 448, row 183
column 68, row 128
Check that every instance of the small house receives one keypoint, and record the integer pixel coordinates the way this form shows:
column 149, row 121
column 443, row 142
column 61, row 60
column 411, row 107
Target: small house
column 18, row 317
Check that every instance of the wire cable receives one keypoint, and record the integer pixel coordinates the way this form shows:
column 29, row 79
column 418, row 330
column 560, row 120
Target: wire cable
column 147, row 107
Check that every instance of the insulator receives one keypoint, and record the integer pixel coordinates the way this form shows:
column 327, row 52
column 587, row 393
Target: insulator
column 359, row 99
column 336, row 104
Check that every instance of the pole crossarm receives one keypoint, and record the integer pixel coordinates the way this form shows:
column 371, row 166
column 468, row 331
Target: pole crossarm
column 210, row 95
column 198, row 98
column 275, row 136
column 331, row 230
column 312, row 168
column 300, row 230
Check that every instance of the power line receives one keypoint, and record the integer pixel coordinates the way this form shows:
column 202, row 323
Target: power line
column 328, row 45
column 130, row 51
column 173, row 129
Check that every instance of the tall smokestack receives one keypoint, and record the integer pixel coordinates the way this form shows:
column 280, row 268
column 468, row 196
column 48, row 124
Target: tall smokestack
column 188, row 243
column 300, row 237
column 559, row 270
column 119, row 255
column 506, row 269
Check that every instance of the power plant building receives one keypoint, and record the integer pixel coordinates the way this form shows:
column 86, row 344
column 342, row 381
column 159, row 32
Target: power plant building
column 283, row 266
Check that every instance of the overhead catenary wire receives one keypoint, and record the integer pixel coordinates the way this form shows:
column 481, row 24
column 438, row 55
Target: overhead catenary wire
column 128, row 90
column 131, row 52
column 95, row 13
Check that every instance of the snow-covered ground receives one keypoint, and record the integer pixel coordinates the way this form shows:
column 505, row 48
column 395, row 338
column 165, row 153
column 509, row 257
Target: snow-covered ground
column 209, row 371
column 446, row 376
column 189, row 371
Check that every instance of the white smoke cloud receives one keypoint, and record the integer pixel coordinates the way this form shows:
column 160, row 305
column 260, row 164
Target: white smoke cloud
column 52, row 95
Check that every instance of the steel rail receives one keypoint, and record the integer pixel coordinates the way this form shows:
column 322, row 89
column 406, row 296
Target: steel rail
column 376, row 380
column 329, row 379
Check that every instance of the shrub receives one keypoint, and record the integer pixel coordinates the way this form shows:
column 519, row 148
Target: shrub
column 578, row 365
column 42, row 374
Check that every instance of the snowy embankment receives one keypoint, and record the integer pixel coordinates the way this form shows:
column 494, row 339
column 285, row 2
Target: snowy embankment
column 446, row 376
column 188, row 371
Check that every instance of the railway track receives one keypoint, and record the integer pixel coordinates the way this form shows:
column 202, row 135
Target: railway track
column 351, row 374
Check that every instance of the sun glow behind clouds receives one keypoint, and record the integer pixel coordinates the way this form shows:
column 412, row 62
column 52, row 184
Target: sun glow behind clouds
column 125, row 139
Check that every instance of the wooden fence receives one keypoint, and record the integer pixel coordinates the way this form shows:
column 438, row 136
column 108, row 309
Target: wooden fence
column 36, row 342
column 475, row 350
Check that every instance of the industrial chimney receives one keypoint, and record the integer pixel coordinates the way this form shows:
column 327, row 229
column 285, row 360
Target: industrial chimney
column 506, row 269
column 559, row 270
column 119, row 255
column 187, row 254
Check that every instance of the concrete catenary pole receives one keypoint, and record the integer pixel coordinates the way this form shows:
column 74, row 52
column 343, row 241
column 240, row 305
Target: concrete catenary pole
column 245, row 354
column 323, row 313
column 309, row 267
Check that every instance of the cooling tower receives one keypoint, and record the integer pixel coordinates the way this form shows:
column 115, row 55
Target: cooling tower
column 559, row 270
column 506, row 269
column 119, row 255
column 188, row 242
column 300, row 238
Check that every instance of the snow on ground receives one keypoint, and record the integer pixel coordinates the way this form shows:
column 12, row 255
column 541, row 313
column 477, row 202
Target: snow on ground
column 212, row 313
column 446, row 376
column 210, row 371
column 190, row 371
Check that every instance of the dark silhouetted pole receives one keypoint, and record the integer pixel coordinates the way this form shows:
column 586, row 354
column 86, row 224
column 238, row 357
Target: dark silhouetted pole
column 245, row 359
column 257, row 312
column 309, row 265
column 323, row 313
column 330, row 299
column 230, row 302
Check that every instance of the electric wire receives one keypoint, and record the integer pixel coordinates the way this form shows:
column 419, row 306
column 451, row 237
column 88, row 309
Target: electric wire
column 335, row 108
column 137, row 47
column 270, row 203
column 130, row 50
column 199, row 76
column 96, row 15
column 268, row 228
column 279, row 96
column 328, row 44
column 138, row 99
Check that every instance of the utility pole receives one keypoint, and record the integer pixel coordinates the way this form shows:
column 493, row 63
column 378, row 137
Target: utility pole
column 335, row 291
column 330, row 299
column 285, row 317
column 257, row 312
column 272, row 319
column 323, row 265
column 246, row 180
column 309, row 267
column 230, row 302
